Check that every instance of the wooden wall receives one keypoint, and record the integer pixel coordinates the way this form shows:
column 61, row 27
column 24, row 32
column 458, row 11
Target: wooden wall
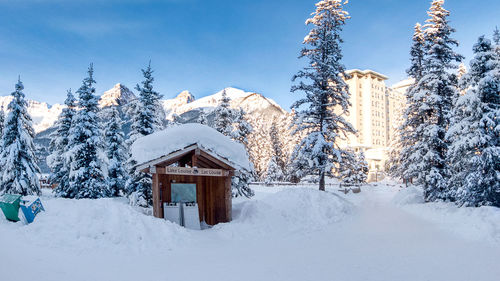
column 213, row 195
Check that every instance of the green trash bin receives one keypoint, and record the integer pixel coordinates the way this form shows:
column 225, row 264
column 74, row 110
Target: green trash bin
column 9, row 203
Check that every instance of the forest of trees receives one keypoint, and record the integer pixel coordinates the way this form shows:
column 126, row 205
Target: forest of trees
column 449, row 140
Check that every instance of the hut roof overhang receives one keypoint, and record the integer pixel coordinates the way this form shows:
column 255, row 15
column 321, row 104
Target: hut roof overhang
column 173, row 157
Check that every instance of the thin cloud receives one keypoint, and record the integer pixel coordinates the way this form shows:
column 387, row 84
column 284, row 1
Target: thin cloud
column 90, row 27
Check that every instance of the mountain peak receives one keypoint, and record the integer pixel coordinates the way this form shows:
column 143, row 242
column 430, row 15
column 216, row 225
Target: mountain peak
column 118, row 95
column 185, row 96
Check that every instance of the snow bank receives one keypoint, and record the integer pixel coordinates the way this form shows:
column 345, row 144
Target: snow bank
column 478, row 224
column 471, row 223
column 409, row 195
column 178, row 137
column 85, row 225
column 288, row 211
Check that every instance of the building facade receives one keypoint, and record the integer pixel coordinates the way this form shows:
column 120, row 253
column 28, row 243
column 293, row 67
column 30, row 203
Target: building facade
column 376, row 111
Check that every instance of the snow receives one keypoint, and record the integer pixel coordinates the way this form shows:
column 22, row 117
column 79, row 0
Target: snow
column 179, row 137
column 249, row 101
column 283, row 233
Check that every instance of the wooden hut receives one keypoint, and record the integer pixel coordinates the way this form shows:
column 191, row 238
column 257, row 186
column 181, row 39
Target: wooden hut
column 206, row 163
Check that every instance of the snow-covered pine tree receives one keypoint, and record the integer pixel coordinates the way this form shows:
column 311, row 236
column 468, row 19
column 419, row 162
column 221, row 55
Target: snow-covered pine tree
column 2, row 122
column 474, row 154
column 224, row 116
column 202, row 118
column 327, row 95
column 405, row 163
column 355, row 169
column 274, row 172
column 259, row 146
column 276, row 166
column 147, row 118
column 462, row 69
column 242, row 128
column 438, row 89
column 496, row 36
column 87, row 178
column 58, row 159
column 496, row 40
column 19, row 168
column 115, row 150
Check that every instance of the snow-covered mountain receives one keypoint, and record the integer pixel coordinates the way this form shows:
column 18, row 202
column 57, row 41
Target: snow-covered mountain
column 118, row 95
column 43, row 115
column 185, row 105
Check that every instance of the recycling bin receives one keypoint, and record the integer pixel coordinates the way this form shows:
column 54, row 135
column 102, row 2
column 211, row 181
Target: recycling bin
column 172, row 212
column 191, row 216
column 30, row 210
column 9, row 203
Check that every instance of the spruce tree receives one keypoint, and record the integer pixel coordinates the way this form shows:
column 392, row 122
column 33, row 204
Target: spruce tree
column 321, row 113
column 85, row 146
column 58, row 159
column 18, row 161
column 242, row 128
column 224, row 117
column 405, row 163
column 115, row 151
column 474, row 153
column 496, row 36
column 2, row 122
column 438, row 89
column 147, row 118
column 274, row 172
column 202, row 118
column 355, row 169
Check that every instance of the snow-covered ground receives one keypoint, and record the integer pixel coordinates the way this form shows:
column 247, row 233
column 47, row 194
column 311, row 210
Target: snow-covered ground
column 283, row 233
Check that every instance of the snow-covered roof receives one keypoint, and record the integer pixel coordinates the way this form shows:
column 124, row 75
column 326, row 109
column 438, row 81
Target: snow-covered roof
column 175, row 138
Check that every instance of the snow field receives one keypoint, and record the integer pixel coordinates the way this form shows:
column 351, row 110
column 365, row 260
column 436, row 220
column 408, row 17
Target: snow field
column 283, row 233
column 480, row 224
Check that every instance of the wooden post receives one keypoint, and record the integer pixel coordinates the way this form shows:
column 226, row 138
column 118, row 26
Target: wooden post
column 156, row 197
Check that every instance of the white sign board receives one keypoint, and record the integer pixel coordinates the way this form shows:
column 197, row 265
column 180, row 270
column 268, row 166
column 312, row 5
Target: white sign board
column 195, row 172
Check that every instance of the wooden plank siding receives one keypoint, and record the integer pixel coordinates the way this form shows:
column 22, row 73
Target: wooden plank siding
column 212, row 193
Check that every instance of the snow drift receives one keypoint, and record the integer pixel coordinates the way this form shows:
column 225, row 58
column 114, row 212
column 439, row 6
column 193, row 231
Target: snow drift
column 288, row 211
column 481, row 223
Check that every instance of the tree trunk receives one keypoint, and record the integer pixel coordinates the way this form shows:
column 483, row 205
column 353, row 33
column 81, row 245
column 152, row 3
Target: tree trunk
column 322, row 181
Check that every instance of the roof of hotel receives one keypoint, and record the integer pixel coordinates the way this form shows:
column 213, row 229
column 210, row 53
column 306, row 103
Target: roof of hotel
column 366, row 72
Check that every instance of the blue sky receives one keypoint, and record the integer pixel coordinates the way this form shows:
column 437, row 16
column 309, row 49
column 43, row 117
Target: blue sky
column 204, row 45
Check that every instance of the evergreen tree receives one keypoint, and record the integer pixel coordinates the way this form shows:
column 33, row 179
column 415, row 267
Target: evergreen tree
column 19, row 168
column 462, row 69
column 496, row 36
column 438, row 89
column 355, row 169
column 87, row 169
column 474, row 153
column 327, row 95
column 224, row 117
column 242, row 129
column 115, row 150
column 276, row 165
column 202, row 118
column 240, row 184
column 405, row 164
column 274, row 172
column 147, row 118
column 58, row 159
column 2, row 122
